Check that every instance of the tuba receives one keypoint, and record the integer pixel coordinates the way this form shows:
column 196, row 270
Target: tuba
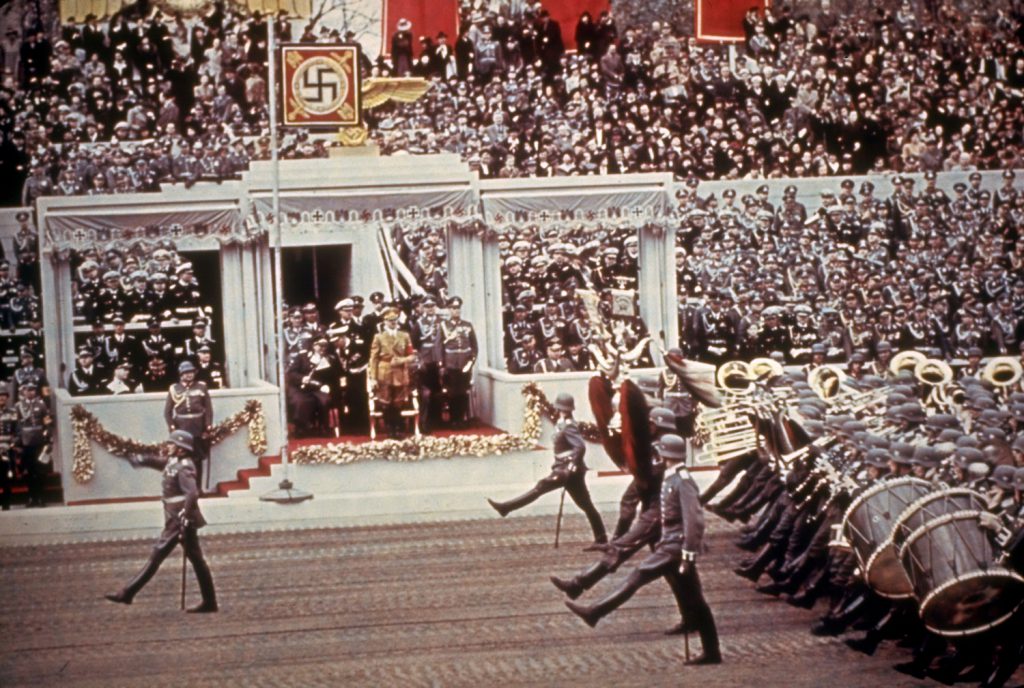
column 734, row 377
column 1003, row 372
column 766, row 368
column 905, row 360
column 936, row 375
column 826, row 380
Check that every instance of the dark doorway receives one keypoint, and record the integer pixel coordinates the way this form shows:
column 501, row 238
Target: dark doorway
column 316, row 274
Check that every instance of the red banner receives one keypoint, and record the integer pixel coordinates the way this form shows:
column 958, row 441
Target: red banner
column 721, row 21
column 567, row 14
column 428, row 18
column 320, row 85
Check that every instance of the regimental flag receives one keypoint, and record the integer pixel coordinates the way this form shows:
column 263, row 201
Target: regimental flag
column 320, row 85
column 721, row 21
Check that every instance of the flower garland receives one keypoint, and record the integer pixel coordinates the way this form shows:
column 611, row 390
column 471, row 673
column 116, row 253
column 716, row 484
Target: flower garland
column 429, row 447
column 88, row 429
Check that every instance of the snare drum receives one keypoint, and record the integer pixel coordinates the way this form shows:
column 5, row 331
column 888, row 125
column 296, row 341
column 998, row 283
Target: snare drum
column 952, row 566
column 868, row 526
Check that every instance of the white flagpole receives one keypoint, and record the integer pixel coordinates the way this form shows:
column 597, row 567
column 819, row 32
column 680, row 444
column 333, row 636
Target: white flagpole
column 286, row 492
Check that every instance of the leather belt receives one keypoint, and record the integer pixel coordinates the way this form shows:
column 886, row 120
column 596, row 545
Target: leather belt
column 180, row 499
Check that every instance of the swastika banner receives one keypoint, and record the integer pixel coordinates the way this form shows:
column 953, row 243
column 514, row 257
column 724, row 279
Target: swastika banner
column 320, row 85
column 721, row 21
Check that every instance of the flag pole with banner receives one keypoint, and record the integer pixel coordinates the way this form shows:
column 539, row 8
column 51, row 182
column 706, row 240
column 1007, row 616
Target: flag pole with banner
column 285, row 492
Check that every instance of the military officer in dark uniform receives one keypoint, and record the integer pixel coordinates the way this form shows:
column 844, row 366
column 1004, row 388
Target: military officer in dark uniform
column 198, row 339
column 8, row 438
column 155, row 343
column 517, row 329
column 88, row 377
column 27, row 373
column 189, row 408
column 158, row 300
column 209, row 371
column 525, row 358
column 803, row 334
column 568, row 471
column 351, row 402
column 773, row 336
column 120, row 346
column 26, row 250
column 33, row 434
column 426, row 339
column 184, row 293
column 674, row 556
column 714, row 332
column 297, row 339
column 156, row 378
column 458, row 342
column 555, row 361
column 110, row 298
column 182, row 520
column 135, row 296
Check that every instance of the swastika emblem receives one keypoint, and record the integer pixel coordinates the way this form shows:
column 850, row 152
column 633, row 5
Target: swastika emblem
column 320, row 85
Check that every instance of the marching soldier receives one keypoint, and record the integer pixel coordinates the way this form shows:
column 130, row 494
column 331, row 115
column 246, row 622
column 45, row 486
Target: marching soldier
column 189, row 408
column 568, row 471
column 674, row 556
column 182, row 520
column 458, row 341
column 391, row 360
column 88, row 377
column 8, row 439
column 632, row 532
column 33, row 434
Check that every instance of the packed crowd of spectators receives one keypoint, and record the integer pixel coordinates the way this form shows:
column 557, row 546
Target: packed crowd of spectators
column 867, row 91
column 922, row 269
column 127, row 103
column 146, row 314
column 570, row 300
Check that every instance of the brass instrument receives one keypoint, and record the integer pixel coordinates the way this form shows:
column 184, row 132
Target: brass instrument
column 765, row 368
column 735, row 377
column 905, row 360
column 1003, row 372
column 826, row 381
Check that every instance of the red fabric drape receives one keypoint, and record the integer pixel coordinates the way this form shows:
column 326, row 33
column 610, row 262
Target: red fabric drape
column 722, row 20
column 428, row 17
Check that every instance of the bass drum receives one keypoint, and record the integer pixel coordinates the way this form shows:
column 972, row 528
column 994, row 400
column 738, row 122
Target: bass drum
column 868, row 525
column 952, row 565
column 930, row 507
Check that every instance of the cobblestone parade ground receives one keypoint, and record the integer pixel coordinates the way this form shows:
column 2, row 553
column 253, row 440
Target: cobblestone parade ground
column 451, row 604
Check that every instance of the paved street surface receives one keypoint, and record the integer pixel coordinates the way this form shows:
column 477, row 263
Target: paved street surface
column 452, row 604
